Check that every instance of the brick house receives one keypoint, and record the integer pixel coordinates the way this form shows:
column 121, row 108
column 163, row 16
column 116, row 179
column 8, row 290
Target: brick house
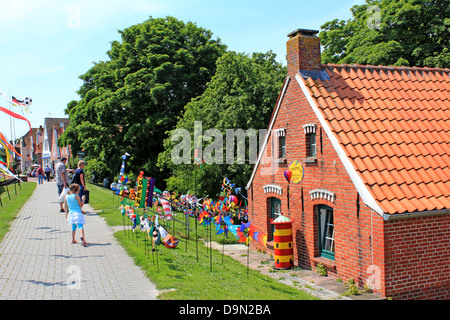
column 374, row 145
column 51, row 152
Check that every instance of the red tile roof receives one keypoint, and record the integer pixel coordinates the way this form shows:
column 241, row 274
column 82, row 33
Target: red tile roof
column 394, row 125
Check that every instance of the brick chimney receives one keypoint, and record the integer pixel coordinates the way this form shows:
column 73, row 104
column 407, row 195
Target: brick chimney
column 303, row 51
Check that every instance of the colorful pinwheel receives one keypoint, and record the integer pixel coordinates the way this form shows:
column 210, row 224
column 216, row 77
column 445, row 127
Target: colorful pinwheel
column 261, row 238
column 204, row 218
column 245, row 232
column 221, row 225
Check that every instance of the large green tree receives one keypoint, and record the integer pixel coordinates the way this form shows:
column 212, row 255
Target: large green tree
column 241, row 95
column 129, row 102
column 391, row 32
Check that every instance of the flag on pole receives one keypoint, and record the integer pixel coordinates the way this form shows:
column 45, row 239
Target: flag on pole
column 151, row 188
column 18, row 102
column 141, row 192
column 15, row 115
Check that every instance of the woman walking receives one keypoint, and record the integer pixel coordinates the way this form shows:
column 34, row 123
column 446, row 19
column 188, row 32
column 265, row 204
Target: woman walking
column 79, row 178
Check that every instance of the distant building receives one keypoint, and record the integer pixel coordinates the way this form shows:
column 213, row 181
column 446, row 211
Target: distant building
column 51, row 153
column 30, row 147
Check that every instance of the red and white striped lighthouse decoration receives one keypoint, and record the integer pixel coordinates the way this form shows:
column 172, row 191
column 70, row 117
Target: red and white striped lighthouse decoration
column 283, row 245
column 166, row 205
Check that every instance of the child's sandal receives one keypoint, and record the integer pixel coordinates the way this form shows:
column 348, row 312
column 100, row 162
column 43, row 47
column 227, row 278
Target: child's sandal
column 83, row 242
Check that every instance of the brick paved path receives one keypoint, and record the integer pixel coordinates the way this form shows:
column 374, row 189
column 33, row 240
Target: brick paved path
column 37, row 260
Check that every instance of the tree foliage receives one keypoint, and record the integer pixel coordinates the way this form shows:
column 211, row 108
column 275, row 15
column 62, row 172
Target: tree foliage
column 391, row 32
column 241, row 95
column 129, row 102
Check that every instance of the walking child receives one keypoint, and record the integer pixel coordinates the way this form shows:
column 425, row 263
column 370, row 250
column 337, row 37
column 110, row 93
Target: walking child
column 74, row 215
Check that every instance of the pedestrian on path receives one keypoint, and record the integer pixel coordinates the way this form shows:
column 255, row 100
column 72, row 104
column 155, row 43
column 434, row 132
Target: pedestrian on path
column 48, row 172
column 74, row 216
column 40, row 174
column 79, row 178
column 62, row 179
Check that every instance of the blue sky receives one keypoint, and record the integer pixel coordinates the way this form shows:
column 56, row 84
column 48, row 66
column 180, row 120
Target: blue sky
column 47, row 44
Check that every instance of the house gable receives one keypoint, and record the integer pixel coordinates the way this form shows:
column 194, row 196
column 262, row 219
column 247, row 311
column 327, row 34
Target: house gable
column 51, row 127
column 266, row 151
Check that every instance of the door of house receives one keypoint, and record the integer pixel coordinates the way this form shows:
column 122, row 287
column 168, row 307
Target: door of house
column 275, row 211
column 326, row 231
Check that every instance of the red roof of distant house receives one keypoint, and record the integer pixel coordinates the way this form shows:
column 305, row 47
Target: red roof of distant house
column 394, row 125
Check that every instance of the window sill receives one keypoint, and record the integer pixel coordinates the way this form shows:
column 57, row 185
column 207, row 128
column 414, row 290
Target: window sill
column 329, row 264
column 311, row 160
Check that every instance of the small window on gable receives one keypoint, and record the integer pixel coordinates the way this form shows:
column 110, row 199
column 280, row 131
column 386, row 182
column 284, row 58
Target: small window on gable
column 310, row 139
column 311, row 145
column 280, row 135
column 282, row 143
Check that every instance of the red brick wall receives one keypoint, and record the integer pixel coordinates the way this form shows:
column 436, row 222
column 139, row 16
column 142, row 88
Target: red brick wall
column 358, row 237
column 418, row 258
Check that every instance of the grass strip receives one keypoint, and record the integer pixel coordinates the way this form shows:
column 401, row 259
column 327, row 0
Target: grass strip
column 11, row 208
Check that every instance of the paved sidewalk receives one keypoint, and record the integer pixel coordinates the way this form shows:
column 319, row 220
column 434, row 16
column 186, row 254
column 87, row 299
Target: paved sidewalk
column 38, row 262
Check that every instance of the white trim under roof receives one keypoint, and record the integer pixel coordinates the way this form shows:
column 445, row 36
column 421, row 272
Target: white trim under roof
column 266, row 139
column 366, row 196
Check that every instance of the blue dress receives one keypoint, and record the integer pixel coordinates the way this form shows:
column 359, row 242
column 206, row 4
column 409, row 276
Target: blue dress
column 75, row 216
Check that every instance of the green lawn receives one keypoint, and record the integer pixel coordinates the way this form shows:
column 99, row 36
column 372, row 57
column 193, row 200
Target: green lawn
column 11, row 208
column 108, row 204
column 179, row 272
